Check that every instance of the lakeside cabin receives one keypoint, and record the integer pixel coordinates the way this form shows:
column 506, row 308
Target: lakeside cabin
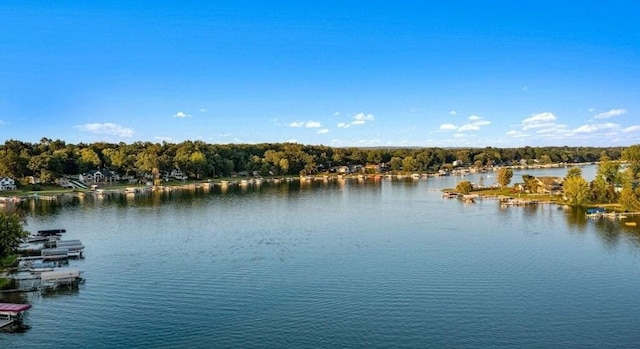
column 11, row 315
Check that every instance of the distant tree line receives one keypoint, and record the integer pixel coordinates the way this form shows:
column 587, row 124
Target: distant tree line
column 50, row 159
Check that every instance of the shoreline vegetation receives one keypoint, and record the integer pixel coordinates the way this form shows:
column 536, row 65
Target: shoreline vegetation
column 26, row 191
column 44, row 169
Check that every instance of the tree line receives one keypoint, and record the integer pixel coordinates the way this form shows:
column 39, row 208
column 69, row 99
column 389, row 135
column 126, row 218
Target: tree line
column 50, row 159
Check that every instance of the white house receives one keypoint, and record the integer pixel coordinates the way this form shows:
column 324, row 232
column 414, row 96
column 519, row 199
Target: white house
column 7, row 183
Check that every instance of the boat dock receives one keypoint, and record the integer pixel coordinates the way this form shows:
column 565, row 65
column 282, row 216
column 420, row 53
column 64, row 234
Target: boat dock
column 43, row 265
column 11, row 315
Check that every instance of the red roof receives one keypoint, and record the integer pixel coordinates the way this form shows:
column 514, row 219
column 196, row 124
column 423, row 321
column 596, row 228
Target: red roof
column 13, row 307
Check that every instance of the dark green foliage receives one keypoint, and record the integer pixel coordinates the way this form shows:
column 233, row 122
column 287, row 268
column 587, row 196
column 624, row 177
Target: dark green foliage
column 50, row 159
column 11, row 233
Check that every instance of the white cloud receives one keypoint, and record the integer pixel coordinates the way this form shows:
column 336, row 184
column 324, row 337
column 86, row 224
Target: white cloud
column 106, row 128
column 468, row 127
column 591, row 110
column 453, row 112
column 203, row 110
column 160, row 138
column 632, row 129
column 181, row 115
column 323, row 131
column 362, row 118
column 448, row 127
column 611, row 113
column 307, row 124
column 476, row 123
column 595, row 128
column 538, row 118
column 358, row 119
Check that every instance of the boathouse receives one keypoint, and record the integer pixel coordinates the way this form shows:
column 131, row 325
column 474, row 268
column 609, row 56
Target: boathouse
column 11, row 314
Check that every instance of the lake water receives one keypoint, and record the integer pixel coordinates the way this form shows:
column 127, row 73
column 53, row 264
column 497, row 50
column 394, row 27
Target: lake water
column 336, row 264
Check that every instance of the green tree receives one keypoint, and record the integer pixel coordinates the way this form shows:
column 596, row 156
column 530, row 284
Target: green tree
column 504, row 176
column 609, row 171
column 545, row 159
column 11, row 233
column 629, row 199
column 463, row 156
column 574, row 172
column 395, row 164
column 408, row 164
column 632, row 156
column 464, row 187
column 198, row 163
column 88, row 160
column 531, row 184
column 576, row 190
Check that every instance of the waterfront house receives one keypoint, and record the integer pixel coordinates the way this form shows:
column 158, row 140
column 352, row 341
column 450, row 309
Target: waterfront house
column 177, row 174
column 98, row 176
column 549, row 185
column 7, row 183
column 372, row 168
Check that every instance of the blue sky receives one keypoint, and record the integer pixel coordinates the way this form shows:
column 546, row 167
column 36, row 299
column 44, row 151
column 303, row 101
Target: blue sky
column 338, row 73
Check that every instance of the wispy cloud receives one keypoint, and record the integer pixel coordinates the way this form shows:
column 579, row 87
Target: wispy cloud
column 2, row 123
column 357, row 120
column 453, row 112
column 539, row 118
column 181, row 115
column 323, row 131
column 592, row 128
column 307, row 124
column 161, row 138
column 634, row 128
column 611, row 113
column 362, row 118
column 448, row 127
column 474, row 117
column 475, row 124
column 106, row 128
column 516, row 134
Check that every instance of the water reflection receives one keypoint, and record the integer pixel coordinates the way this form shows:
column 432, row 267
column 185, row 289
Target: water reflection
column 367, row 188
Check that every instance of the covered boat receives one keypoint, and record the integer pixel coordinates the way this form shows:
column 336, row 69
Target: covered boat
column 11, row 315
